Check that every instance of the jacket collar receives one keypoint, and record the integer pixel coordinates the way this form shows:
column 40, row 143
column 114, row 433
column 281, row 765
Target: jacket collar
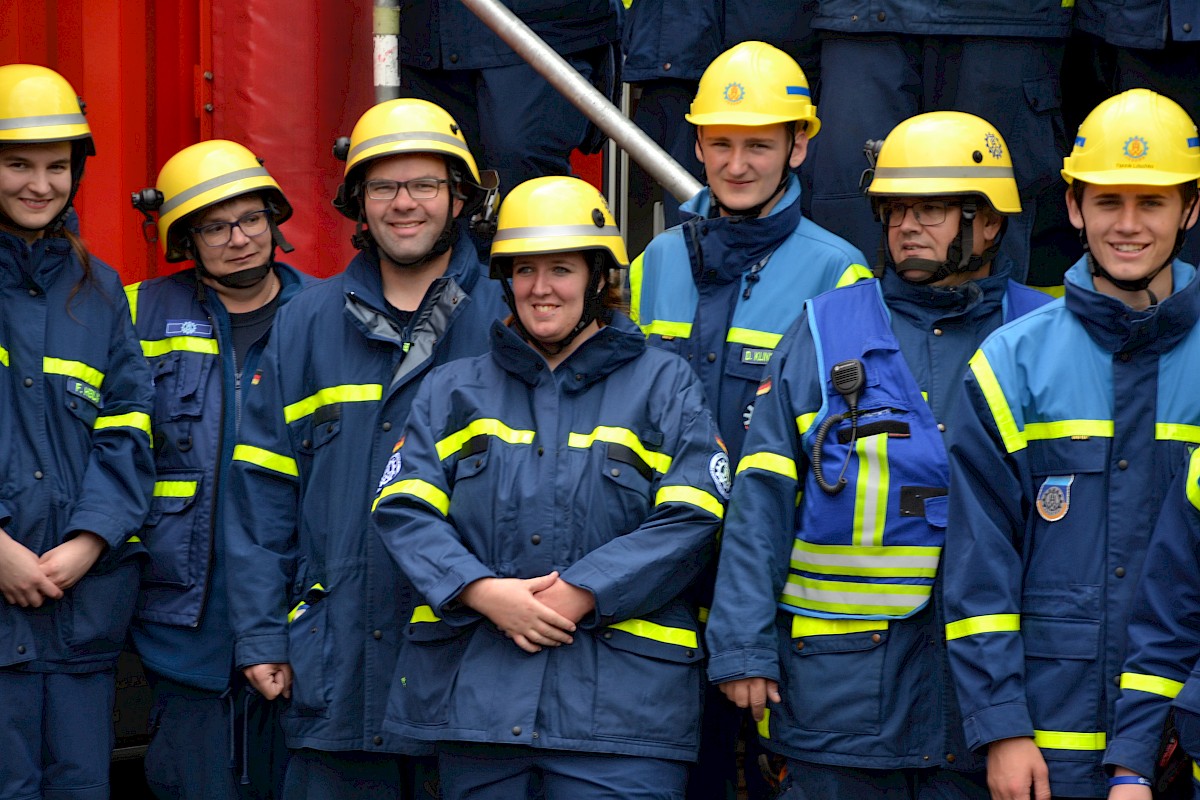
column 613, row 345
column 363, row 276
column 1116, row 327
column 32, row 265
column 723, row 248
column 926, row 304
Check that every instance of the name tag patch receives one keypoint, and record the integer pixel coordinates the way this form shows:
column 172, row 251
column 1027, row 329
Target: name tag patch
column 756, row 355
column 86, row 391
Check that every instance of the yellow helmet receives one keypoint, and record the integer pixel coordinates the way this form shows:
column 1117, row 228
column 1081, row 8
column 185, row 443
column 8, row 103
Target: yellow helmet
column 555, row 214
column 394, row 127
column 753, row 83
column 1136, row 137
column 200, row 176
column 38, row 105
column 946, row 153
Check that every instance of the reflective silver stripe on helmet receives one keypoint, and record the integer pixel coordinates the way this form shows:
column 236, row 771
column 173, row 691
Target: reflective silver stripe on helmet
column 555, row 232
column 47, row 121
column 428, row 136
column 943, row 172
column 212, row 183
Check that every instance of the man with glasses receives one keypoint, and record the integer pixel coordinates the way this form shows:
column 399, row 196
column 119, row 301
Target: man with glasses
column 319, row 608
column 826, row 621
column 203, row 331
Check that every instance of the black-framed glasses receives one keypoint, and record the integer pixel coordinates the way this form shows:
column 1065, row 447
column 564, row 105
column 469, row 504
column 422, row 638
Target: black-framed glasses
column 218, row 234
column 417, row 188
column 926, row 212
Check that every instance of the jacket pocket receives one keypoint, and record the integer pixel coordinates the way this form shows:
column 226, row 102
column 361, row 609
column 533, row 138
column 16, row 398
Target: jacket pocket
column 1060, row 627
column 834, row 682
column 16, row 637
column 95, row 613
column 648, row 681
column 172, row 527
column 427, row 668
column 310, row 653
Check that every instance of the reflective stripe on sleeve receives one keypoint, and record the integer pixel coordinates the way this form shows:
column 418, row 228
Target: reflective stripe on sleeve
column 347, row 393
column 691, row 496
column 853, row 274
column 1151, row 684
column 769, row 462
column 804, row 422
column 266, row 459
column 134, row 419
column 987, row 623
column 422, row 490
column 4, row 356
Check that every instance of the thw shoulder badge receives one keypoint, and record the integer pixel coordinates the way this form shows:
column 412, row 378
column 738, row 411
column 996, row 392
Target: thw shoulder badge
column 1054, row 498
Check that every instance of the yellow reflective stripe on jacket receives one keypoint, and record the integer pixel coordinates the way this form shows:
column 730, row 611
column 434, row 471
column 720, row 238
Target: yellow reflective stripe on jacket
column 73, row 369
column 987, row 623
column 131, row 296
column 817, row 626
column 659, row 633
column 849, row 597
column 1196, row 772
column 4, row 356
column 266, row 459
column 659, row 462
column 636, row 269
column 347, row 393
column 175, row 488
column 1151, row 684
column 302, row 606
column 994, row 395
column 1193, row 479
column 691, row 496
column 1070, row 740
column 853, row 274
column 172, row 344
column 866, row 562
column 481, row 427
column 804, row 422
column 1066, row 428
column 769, row 462
column 676, row 330
column 422, row 490
column 764, row 724
column 753, row 338
column 871, row 490
column 134, row 419
column 1177, row 432
column 424, row 614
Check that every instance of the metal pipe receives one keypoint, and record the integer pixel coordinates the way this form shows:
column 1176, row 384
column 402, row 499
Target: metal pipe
column 386, row 28
column 595, row 106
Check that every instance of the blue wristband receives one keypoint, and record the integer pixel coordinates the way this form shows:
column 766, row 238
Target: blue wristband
column 1124, row 779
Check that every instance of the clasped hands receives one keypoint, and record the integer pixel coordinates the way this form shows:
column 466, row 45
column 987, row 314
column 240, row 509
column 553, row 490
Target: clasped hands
column 533, row 612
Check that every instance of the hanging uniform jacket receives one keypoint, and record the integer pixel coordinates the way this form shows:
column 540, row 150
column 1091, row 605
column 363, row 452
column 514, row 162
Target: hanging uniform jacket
column 1024, row 18
column 1164, row 637
column 75, row 448
column 1074, row 423
column 863, row 675
column 181, row 627
column 309, row 584
column 445, row 34
column 1145, row 24
column 721, row 292
column 675, row 39
column 607, row 469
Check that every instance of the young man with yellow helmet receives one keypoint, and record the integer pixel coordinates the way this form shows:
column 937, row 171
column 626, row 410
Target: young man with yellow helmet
column 1074, row 422
column 318, row 609
column 826, row 621
column 203, row 331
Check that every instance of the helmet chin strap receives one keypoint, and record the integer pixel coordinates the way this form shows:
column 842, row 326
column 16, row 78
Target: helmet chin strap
column 959, row 255
column 593, row 309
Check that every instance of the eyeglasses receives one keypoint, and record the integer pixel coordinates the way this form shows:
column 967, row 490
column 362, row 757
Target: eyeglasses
column 926, row 212
column 218, row 234
column 418, row 188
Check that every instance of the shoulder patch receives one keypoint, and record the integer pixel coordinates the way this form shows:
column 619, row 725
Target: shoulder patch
column 718, row 470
